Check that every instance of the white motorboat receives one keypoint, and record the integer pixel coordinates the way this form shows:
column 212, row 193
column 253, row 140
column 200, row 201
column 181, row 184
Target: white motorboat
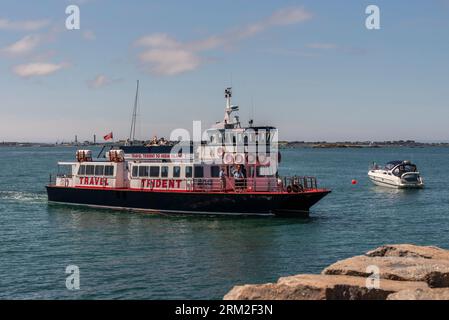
column 396, row 174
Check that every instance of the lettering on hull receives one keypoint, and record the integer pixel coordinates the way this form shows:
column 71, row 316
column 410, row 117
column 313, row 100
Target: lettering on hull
column 159, row 183
column 93, row 181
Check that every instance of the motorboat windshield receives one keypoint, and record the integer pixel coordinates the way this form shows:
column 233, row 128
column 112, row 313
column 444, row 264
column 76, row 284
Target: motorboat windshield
column 400, row 167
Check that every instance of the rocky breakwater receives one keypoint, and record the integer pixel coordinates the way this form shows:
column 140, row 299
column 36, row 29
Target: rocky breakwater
column 393, row 272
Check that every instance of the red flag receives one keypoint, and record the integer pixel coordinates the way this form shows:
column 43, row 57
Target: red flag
column 108, row 136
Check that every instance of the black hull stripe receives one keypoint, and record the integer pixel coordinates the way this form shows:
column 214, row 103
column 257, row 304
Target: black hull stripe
column 162, row 211
column 205, row 204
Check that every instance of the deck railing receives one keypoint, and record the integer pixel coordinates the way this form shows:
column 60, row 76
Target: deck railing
column 228, row 184
column 284, row 184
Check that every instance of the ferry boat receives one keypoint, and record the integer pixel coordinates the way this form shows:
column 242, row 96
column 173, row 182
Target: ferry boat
column 230, row 173
column 401, row 174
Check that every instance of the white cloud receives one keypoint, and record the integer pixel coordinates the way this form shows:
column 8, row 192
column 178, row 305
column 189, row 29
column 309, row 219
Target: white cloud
column 37, row 69
column 23, row 46
column 164, row 55
column 160, row 40
column 101, row 80
column 170, row 61
column 289, row 15
column 26, row 25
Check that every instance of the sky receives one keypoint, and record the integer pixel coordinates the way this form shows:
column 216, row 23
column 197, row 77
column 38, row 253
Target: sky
column 310, row 68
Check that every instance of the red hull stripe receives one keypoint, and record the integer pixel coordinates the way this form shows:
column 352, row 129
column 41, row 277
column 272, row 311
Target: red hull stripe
column 190, row 192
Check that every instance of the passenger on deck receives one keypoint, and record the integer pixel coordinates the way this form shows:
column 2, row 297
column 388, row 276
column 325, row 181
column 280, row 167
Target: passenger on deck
column 222, row 176
column 238, row 177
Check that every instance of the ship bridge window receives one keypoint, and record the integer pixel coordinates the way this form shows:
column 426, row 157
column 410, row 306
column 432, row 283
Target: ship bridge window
column 82, row 170
column 90, row 170
column 135, row 171
column 176, row 172
column 154, row 172
column 164, row 171
column 109, row 171
column 64, row 170
column 99, row 170
column 199, row 172
column 189, row 172
column 143, row 171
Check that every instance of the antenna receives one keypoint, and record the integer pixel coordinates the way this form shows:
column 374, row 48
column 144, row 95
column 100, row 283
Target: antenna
column 132, row 132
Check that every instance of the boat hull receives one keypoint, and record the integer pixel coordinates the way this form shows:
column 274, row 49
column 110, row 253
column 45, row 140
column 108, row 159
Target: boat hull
column 282, row 204
column 396, row 183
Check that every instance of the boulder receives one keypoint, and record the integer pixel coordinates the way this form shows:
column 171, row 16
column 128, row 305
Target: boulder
column 435, row 272
column 421, row 294
column 320, row 287
column 409, row 251
column 403, row 272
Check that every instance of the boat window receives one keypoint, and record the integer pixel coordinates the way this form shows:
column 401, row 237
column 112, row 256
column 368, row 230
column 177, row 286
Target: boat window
column 82, row 170
column 215, row 171
column 265, row 171
column 189, row 172
column 176, row 172
column 143, row 171
column 90, row 170
column 164, row 171
column 135, row 171
column 154, row 172
column 99, row 170
column 109, row 170
column 199, row 172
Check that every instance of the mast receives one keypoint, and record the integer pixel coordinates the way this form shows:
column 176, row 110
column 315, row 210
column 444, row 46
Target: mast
column 229, row 109
column 132, row 133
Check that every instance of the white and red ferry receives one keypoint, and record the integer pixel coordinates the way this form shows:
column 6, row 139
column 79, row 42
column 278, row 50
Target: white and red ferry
column 233, row 171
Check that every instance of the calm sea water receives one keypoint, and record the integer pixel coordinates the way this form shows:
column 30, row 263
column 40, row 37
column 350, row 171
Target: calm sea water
column 125, row 255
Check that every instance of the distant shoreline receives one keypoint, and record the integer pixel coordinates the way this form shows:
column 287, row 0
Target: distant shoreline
column 282, row 144
column 361, row 144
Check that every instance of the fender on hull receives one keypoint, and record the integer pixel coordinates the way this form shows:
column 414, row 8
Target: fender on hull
column 283, row 204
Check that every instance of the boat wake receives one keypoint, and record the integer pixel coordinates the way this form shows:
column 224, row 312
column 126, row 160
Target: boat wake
column 20, row 196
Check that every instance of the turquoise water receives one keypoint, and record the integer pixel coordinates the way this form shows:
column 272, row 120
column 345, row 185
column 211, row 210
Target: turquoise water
column 138, row 256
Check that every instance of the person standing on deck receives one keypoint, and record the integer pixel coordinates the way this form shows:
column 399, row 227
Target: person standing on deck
column 238, row 177
column 222, row 176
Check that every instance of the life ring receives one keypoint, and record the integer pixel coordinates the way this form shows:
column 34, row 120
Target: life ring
column 228, row 158
column 239, row 158
column 262, row 159
column 220, row 151
column 251, row 158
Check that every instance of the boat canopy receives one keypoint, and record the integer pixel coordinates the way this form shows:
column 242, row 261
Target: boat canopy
column 390, row 165
column 400, row 167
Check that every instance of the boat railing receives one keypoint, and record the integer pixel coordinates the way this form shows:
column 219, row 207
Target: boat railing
column 233, row 185
column 52, row 179
column 297, row 183
column 260, row 184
